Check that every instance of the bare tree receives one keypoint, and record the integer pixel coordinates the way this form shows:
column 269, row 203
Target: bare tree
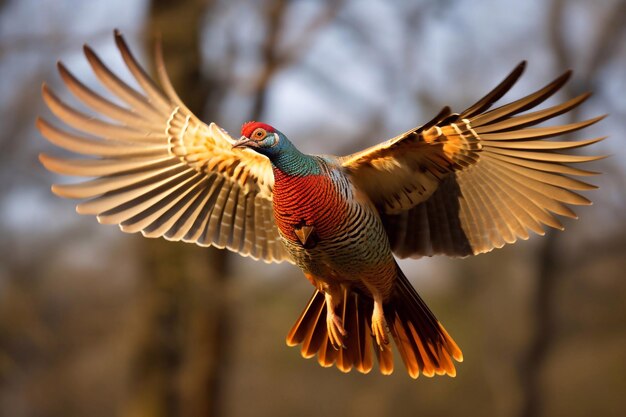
column 550, row 261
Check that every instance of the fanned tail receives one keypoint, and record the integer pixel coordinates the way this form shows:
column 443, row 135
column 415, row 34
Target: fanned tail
column 311, row 333
column 422, row 342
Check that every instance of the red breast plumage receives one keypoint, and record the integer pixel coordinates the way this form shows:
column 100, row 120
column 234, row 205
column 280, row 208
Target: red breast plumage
column 310, row 200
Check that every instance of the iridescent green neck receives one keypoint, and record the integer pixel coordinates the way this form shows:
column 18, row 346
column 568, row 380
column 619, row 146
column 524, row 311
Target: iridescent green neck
column 294, row 163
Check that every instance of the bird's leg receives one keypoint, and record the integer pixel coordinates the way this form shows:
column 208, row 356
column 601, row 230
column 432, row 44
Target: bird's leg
column 379, row 324
column 334, row 323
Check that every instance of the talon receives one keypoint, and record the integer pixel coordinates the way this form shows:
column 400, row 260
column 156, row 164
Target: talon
column 334, row 323
column 379, row 326
column 336, row 332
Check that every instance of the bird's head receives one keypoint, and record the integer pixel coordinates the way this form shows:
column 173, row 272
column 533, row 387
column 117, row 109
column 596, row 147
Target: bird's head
column 261, row 138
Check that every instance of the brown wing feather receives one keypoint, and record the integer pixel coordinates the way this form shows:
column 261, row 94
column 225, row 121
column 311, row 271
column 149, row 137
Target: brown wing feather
column 477, row 180
column 157, row 168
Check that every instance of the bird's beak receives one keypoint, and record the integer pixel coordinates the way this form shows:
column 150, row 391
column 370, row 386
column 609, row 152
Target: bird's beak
column 244, row 142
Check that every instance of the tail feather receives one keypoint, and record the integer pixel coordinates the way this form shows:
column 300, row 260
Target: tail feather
column 365, row 344
column 357, row 343
column 422, row 341
column 315, row 336
column 327, row 355
column 412, row 362
column 424, row 345
column 384, row 355
column 307, row 319
column 345, row 355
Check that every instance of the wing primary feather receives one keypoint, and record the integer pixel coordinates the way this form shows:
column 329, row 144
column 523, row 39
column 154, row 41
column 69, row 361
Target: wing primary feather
column 86, row 123
column 540, row 132
column 543, row 156
column 481, row 239
column 543, row 145
column 522, row 104
column 97, row 147
column 554, row 167
column 506, row 226
column 487, row 215
column 508, row 210
column 118, row 87
column 517, row 203
column 495, row 94
column 543, row 203
column 492, row 218
column 550, row 191
column 545, row 177
column 530, row 119
column 164, row 79
column 101, row 167
column 535, row 212
column 100, row 104
column 443, row 113
column 111, row 183
column 118, row 206
column 154, row 92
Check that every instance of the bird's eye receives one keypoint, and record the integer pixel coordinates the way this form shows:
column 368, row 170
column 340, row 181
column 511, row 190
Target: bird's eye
column 259, row 133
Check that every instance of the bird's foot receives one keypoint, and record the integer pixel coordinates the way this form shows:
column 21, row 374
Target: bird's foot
column 379, row 325
column 336, row 332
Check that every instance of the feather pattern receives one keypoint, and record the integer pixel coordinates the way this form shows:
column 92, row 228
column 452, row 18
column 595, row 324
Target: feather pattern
column 461, row 184
column 157, row 169
column 477, row 180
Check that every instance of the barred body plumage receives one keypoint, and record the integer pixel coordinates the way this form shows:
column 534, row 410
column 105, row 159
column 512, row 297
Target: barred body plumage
column 349, row 240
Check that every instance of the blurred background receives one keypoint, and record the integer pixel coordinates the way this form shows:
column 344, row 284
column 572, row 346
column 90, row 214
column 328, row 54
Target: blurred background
column 94, row 322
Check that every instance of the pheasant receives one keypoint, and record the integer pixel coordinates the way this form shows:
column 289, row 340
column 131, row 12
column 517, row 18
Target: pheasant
column 461, row 184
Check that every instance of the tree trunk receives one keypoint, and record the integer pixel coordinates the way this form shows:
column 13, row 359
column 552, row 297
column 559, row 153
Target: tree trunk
column 181, row 357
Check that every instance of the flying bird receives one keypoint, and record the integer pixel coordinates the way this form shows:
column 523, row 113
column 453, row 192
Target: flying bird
column 461, row 184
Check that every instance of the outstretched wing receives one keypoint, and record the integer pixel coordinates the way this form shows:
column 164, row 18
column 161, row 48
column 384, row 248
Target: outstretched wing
column 157, row 169
column 467, row 183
